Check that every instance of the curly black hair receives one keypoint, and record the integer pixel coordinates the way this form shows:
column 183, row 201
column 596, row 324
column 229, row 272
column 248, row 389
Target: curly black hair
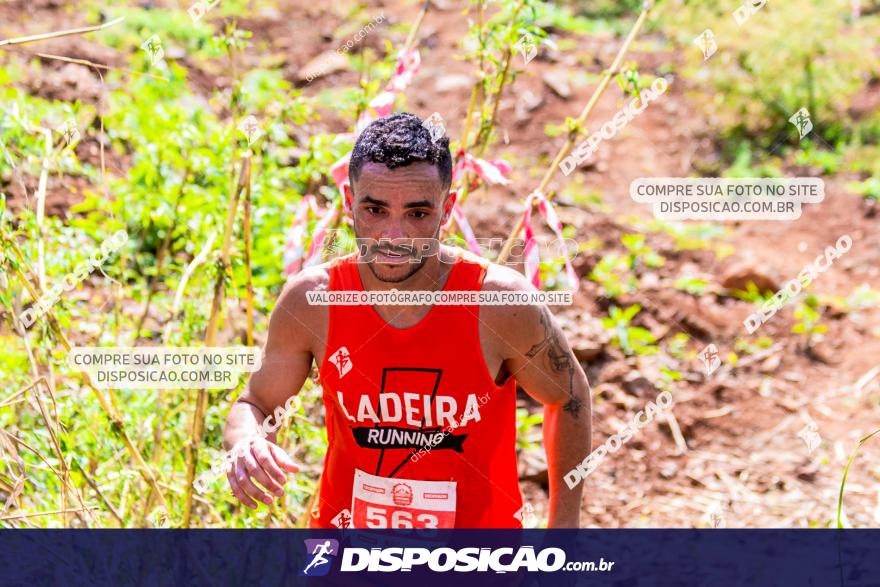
column 398, row 140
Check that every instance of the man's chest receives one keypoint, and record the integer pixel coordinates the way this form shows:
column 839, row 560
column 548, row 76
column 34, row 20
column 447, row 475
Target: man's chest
column 488, row 350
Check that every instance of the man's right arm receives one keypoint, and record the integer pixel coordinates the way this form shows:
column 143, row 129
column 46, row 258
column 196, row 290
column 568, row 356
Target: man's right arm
column 294, row 331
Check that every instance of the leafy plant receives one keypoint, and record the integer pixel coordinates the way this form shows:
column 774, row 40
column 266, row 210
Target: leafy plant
column 752, row 294
column 528, row 429
column 869, row 188
column 608, row 273
column 579, row 21
column 632, row 340
column 864, row 296
column 689, row 236
column 677, row 345
column 819, row 58
column 827, row 161
column 640, row 253
column 692, row 285
column 617, row 274
column 628, row 80
column 840, row 514
column 808, row 320
column 744, row 345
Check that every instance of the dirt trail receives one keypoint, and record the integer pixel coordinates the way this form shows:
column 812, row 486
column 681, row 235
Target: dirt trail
column 745, row 459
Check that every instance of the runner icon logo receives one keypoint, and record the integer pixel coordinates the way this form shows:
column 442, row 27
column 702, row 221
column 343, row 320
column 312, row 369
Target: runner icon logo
column 319, row 552
column 342, row 360
column 526, row 515
column 342, row 519
column 709, row 357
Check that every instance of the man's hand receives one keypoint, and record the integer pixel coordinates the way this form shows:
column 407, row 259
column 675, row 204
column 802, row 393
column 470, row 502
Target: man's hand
column 258, row 465
column 256, row 459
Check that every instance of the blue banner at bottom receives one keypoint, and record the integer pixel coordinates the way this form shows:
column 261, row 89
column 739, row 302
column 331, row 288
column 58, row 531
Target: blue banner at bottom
column 848, row 558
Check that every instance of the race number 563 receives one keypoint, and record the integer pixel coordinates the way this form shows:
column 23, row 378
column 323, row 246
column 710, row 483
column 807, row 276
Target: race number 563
column 381, row 502
column 378, row 517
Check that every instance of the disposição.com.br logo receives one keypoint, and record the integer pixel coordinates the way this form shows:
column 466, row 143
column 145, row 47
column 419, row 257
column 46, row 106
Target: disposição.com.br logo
column 442, row 559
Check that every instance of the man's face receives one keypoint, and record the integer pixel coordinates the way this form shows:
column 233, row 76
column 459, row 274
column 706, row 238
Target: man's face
column 396, row 212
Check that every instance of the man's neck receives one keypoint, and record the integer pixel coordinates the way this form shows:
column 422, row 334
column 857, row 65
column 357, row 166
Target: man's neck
column 431, row 277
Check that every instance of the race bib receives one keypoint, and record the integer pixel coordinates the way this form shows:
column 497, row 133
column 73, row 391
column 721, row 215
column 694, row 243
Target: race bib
column 383, row 502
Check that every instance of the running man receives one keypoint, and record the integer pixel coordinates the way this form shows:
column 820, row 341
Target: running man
column 419, row 400
column 320, row 550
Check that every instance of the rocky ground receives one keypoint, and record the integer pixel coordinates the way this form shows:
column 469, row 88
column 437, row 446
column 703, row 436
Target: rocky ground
column 730, row 454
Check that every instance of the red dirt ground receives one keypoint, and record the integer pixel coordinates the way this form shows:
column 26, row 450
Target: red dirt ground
column 744, row 458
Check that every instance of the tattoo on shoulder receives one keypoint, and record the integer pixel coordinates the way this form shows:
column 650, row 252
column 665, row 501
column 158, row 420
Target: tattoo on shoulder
column 560, row 360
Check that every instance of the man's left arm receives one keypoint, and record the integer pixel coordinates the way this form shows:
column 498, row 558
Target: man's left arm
column 541, row 360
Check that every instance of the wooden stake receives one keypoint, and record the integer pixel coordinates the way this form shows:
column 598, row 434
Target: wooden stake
column 575, row 132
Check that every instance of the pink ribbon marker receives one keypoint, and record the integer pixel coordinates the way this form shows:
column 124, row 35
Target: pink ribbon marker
column 491, row 172
column 339, row 173
column 466, row 230
column 314, row 256
column 530, row 250
column 383, row 104
column 294, row 245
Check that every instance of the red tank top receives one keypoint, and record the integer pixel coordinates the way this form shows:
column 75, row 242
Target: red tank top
column 414, row 405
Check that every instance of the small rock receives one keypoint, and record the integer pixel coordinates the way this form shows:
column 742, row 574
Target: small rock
column 650, row 281
column 639, row 385
column 586, row 334
column 532, row 467
column 615, row 354
column 70, row 83
column 525, row 103
column 668, row 470
column 550, row 52
column 271, row 13
column 808, row 472
column 670, row 107
column 175, row 52
column 820, row 351
column 615, row 371
column 557, row 80
column 451, row 82
column 585, row 350
column 324, row 64
column 738, row 276
column 771, row 364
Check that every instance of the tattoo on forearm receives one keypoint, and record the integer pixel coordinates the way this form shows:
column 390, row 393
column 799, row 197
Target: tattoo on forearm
column 573, row 406
column 561, row 361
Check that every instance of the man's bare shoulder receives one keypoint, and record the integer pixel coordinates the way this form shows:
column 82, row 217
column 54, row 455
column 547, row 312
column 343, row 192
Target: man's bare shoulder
column 504, row 278
column 511, row 323
column 315, row 278
column 293, row 312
